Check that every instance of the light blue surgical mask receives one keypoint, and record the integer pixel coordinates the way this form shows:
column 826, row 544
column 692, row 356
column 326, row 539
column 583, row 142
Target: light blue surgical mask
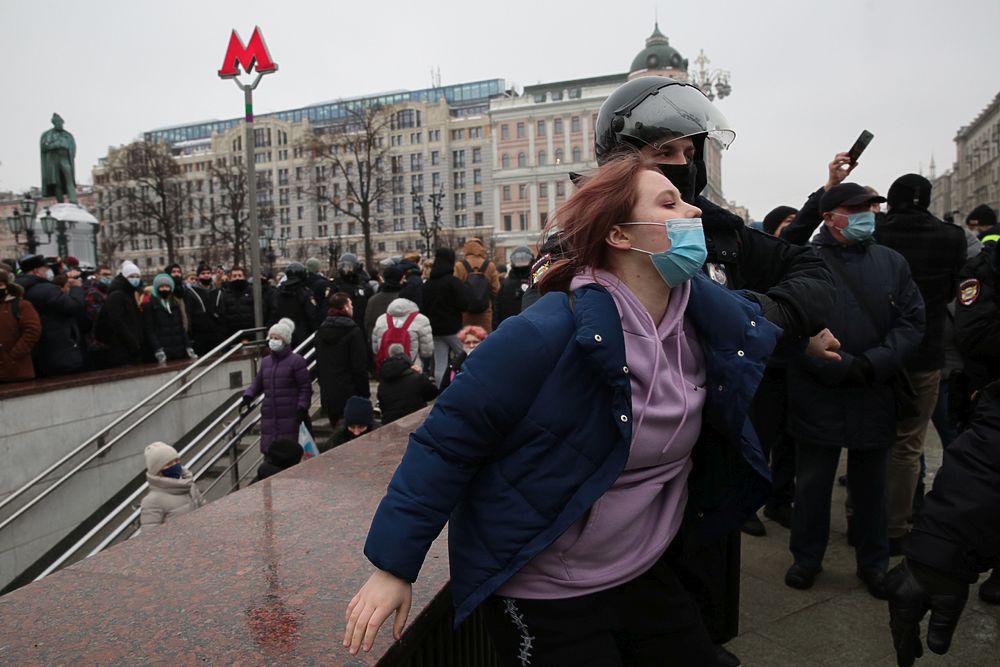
column 135, row 282
column 105, row 281
column 860, row 226
column 687, row 252
column 49, row 275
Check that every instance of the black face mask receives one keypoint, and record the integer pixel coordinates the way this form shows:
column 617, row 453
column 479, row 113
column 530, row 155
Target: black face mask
column 205, row 282
column 684, row 177
column 178, row 286
column 164, row 294
column 238, row 285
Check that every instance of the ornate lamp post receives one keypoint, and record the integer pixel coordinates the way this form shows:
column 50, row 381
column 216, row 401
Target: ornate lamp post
column 22, row 222
column 283, row 245
column 267, row 249
column 706, row 79
column 428, row 232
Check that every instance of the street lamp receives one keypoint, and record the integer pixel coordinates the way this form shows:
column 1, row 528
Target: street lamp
column 267, row 249
column 429, row 232
column 705, row 79
column 22, row 222
column 283, row 245
column 50, row 225
column 333, row 251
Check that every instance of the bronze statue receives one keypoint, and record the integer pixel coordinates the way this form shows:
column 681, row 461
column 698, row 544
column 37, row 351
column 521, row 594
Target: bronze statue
column 58, row 152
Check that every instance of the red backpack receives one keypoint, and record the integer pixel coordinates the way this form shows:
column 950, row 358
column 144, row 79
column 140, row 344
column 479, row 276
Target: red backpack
column 394, row 335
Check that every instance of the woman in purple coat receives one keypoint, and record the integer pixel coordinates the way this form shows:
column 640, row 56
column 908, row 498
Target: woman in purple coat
column 284, row 380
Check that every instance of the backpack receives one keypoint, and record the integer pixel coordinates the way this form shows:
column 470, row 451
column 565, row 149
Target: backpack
column 476, row 288
column 394, row 335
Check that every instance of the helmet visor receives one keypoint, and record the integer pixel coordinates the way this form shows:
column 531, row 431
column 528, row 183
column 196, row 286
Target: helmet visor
column 674, row 112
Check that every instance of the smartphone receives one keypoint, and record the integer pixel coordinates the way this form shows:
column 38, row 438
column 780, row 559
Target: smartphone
column 860, row 145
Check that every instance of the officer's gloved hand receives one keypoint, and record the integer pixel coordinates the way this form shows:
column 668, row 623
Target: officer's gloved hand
column 245, row 408
column 191, row 354
column 303, row 415
column 914, row 589
column 161, row 356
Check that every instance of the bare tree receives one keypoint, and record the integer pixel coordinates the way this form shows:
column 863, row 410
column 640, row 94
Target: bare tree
column 230, row 222
column 355, row 151
column 145, row 179
column 111, row 242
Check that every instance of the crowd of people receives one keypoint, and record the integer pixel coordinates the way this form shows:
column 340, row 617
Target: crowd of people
column 661, row 373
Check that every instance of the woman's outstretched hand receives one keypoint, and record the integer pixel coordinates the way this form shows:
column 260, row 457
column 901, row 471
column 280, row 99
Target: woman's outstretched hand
column 381, row 595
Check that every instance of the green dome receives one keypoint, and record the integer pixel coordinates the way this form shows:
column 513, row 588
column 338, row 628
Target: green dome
column 658, row 54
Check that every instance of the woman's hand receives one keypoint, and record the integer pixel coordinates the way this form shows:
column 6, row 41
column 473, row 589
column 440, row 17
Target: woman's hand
column 381, row 595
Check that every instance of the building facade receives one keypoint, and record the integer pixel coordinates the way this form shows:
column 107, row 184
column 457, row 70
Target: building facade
column 974, row 178
column 495, row 161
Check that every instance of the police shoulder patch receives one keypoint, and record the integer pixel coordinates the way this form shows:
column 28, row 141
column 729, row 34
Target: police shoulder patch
column 968, row 291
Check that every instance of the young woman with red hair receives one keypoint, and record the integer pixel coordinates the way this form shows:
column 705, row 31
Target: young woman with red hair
column 583, row 441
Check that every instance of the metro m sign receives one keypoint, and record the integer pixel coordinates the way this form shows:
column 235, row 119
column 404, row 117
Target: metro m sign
column 255, row 53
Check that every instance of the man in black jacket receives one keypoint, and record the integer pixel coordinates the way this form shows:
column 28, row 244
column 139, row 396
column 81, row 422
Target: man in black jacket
column 352, row 280
column 203, row 318
column 60, row 348
column 234, row 301
column 983, row 221
column 935, row 252
column 119, row 324
column 955, row 537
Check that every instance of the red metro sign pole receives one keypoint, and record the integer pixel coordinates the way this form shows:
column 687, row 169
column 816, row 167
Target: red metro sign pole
column 252, row 56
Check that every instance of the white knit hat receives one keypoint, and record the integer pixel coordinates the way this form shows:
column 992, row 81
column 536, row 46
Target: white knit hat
column 129, row 268
column 284, row 328
column 158, row 455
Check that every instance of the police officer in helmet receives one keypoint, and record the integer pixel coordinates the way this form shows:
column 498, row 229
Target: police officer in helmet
column 671, row 122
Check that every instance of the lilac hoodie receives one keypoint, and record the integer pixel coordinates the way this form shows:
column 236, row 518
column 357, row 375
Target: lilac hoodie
column 627, row 530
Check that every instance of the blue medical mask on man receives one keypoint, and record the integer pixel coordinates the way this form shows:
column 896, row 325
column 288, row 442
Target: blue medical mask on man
column 687, row 252
column 860, row 226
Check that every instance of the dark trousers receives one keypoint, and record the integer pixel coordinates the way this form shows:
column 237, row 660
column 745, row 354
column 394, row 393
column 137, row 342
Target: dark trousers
column 816, row 467
column 650, row 620
column 769, row 415
column 941, row 417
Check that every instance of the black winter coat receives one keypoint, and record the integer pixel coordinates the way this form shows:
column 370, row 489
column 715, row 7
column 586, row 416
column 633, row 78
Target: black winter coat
column 935, row 251
column 512, row 289
column 977, row 319
column 356, row 286
column 60, row 348
column 341, row 364
column 402, row 390
column 119, row 325
column 294, row 301
column 378, row 304
column 235, row 307
column 165, row 329
column 319, row 286
column 203, row 320
column 958, row 529
column 797, row 285
column 851, row 403
column 444, row 301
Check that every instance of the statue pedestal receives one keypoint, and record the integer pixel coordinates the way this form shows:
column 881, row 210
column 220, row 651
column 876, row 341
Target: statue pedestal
column 80, row 228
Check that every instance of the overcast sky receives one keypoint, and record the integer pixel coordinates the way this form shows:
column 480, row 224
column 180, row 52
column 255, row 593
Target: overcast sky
column 807, row 76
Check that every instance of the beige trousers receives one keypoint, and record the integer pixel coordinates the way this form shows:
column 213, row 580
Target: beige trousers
column 904, row 457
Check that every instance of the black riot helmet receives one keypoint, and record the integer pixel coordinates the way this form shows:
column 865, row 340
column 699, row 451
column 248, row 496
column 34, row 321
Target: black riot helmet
column 653, row 111
column 295, row 273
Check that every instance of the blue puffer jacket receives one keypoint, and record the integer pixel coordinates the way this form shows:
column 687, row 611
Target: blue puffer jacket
column 538, row 426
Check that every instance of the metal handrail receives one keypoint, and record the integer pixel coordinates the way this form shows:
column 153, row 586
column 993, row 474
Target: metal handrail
column 123, row 526
column 97, row 436
column 100, row 450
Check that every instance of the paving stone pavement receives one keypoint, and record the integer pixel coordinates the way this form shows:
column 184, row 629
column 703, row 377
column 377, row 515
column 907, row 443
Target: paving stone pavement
column 836, row 623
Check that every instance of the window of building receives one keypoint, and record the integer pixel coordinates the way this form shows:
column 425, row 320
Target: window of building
column 436, row 180
column 461, row 220
column 574, row 124
column 435, row 158
column 416, row 138
column 557, row 126
column 505, row 161
column 543, row 189
column 504, row 131
column 300, row 213
column 416, row 161
column 540, row 128
column 477, row 218
column 475, row 133
column 477, row 176
column 543, row 219
column 507, row 227
column 433, row 135
column 520, row 130
column 282, row 177
column 478, row 198
column 576, row 153
column 458, row 135
column 522, row 219
column 460, row 200
column 321, row 212
column 522, row 160
column 477, row 155
column 458, row 178
column 416, row 182
column 458, row 159
column 560, row 189
column 506, row 193
column 541, row 158
column 522, row 191
column 559, row 156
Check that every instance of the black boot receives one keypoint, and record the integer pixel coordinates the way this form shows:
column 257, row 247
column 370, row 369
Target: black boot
column 754, row 526
column 989, row 590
